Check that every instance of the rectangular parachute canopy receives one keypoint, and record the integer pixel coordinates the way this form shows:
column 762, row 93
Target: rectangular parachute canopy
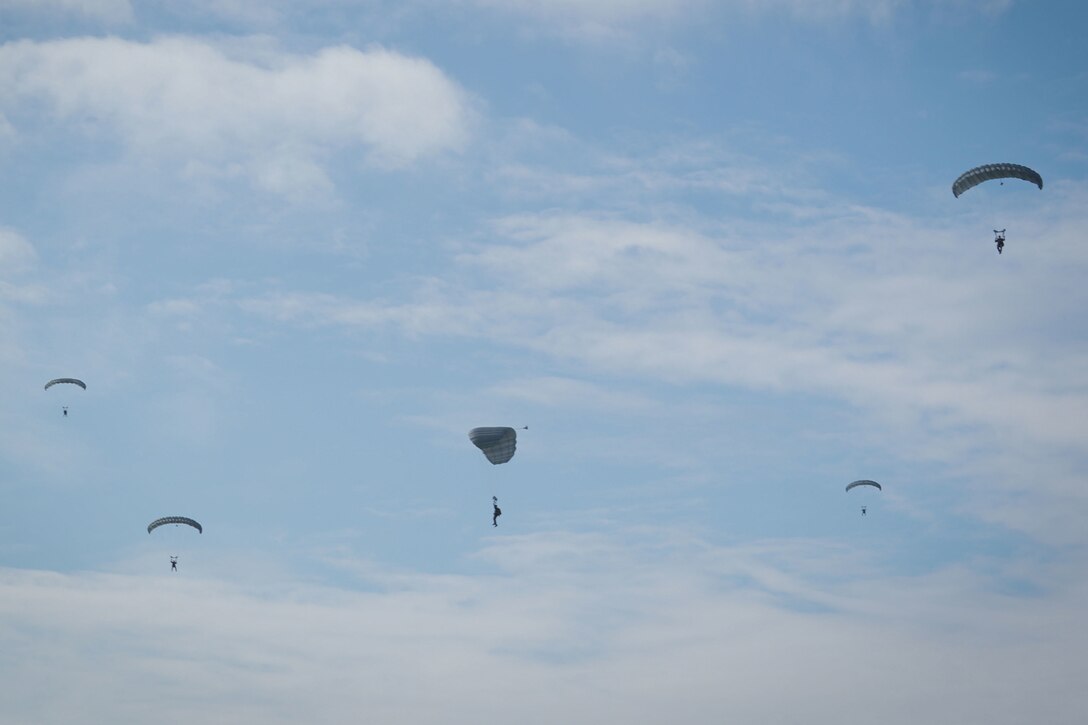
column 987, row 172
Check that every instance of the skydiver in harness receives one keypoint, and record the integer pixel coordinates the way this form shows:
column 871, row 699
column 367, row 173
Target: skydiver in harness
column 173, row 563
column 863, row 508
column 497, row 512
column 999, row 239
column 65, row 408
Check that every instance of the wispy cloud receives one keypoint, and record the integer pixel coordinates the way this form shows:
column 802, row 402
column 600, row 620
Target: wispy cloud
column 895, row 317
column 571, row 393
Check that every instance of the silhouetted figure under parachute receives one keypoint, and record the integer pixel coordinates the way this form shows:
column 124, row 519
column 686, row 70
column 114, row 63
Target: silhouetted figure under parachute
column 68, row 381
column 498, row 444
column 989, row 172
column 864, row 482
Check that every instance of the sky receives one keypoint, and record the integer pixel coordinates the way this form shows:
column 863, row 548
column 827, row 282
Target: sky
column 706, row 251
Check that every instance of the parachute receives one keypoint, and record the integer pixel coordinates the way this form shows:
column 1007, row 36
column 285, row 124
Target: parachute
column 174, row 520
column 863, row 483
column 986, row 172
column 72, row 381
column 498, row 444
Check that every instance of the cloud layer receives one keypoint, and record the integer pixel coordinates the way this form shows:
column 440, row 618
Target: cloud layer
column 571, row 628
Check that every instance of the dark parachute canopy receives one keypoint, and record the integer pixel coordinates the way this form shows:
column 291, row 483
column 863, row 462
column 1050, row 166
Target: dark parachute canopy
column 498, row 444
column 70, row 381
column 987, row 172
column 863, row 482
column 174, row 520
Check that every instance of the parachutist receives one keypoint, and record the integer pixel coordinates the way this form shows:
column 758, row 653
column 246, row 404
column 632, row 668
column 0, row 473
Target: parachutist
column 173, row 563
column 864, row 482
column 497, row 511
column 69, row 381
column 999, row 239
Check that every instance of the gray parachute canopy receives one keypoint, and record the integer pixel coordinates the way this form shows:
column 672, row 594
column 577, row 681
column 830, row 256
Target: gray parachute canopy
column 174, row 520
column 863, row 483
column 71, row 381
column 498, row 444
column 986, row 172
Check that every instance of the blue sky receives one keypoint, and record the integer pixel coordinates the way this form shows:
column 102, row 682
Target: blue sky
column 706, row 251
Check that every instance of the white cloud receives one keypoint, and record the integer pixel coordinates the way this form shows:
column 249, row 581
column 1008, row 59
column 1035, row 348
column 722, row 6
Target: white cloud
column 279, row 116
column 567, row 628
column 422, row 317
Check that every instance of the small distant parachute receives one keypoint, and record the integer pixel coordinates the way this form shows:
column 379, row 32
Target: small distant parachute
column 855, row 484
column 174, row 520
column 498, row 444
column 987, row 172
column 70, row 381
